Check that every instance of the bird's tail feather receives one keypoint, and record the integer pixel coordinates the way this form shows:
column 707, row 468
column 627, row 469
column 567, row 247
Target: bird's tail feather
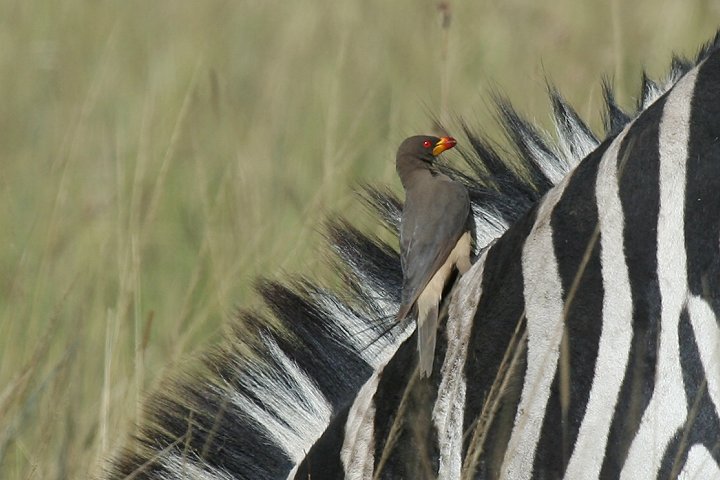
column 426, row 335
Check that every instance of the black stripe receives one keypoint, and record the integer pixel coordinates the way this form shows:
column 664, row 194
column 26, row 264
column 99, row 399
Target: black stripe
column 574, row 221
column 418, row 437
column 640, row 197
column 415, row 453
column 323, row 461
column 702, row 424
column 702, row 201
column 500, row 309
column 316, row 346
column 220, row 435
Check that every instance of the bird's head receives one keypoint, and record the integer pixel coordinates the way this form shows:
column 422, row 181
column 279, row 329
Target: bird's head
column 424, row 147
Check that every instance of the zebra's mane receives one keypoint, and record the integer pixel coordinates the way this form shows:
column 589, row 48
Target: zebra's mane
column 257, row 405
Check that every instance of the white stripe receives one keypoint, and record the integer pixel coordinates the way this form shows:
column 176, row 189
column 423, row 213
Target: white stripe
column 554, row 168
column 490, row 225
column 293, row 472
column 700, row 465
column 449, row 410
column 667, row 409
column 358, row 450
column 183, row 467
column 357, row 330
column 543, row 310
column 573, row 142
column 616, row 334
column 707, row 337
column 294, row 412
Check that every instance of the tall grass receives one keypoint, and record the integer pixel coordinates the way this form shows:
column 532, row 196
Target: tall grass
column 155, row 157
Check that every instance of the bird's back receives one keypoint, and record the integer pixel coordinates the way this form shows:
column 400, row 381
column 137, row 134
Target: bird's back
column 434, row 217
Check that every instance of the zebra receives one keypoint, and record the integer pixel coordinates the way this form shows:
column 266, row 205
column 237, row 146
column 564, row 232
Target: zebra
column 583, row 342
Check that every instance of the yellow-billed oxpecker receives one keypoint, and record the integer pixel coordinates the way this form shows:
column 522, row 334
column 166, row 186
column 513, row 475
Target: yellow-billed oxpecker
column 435, row 236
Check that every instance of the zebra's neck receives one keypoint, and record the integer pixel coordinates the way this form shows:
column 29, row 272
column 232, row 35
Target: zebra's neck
column 581, row 344
column 575, row 346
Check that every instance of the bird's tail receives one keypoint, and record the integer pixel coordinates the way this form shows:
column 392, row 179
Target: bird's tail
column 426, row 335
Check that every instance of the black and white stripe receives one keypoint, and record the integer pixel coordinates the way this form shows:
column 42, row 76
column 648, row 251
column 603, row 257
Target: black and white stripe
column 583, row 343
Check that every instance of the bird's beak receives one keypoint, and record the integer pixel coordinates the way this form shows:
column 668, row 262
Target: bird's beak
column 445, row 143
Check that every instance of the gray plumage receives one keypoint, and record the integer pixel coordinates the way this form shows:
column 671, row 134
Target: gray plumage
column 435, row 236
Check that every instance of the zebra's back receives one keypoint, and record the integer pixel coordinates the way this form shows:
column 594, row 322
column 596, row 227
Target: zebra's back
column 582, row 343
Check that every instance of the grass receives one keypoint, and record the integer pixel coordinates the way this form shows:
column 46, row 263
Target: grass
column 157, row 157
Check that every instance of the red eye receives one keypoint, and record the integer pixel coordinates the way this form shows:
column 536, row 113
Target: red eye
column 427, row 144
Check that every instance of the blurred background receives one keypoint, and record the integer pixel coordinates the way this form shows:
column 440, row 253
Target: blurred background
column 156, row 157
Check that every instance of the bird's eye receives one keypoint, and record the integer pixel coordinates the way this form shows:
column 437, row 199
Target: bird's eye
column 427, row 144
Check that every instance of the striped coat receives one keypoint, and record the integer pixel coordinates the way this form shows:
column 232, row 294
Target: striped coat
column 583, row 343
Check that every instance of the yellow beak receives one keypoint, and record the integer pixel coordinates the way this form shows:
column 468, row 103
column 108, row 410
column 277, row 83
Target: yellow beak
column 445, row 143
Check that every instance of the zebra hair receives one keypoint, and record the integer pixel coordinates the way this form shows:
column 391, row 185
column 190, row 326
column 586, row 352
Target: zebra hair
column 259, row 407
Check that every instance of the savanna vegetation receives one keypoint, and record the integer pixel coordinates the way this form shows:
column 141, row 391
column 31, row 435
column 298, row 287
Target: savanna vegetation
column 156, row 157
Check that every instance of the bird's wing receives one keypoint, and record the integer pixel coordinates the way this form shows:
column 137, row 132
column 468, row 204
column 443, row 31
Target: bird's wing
column 432, row 223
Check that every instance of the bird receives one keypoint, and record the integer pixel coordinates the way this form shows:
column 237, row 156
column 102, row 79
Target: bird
column 436, row 236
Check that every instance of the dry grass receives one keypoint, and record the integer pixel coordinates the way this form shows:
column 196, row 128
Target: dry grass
column 157, row 156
